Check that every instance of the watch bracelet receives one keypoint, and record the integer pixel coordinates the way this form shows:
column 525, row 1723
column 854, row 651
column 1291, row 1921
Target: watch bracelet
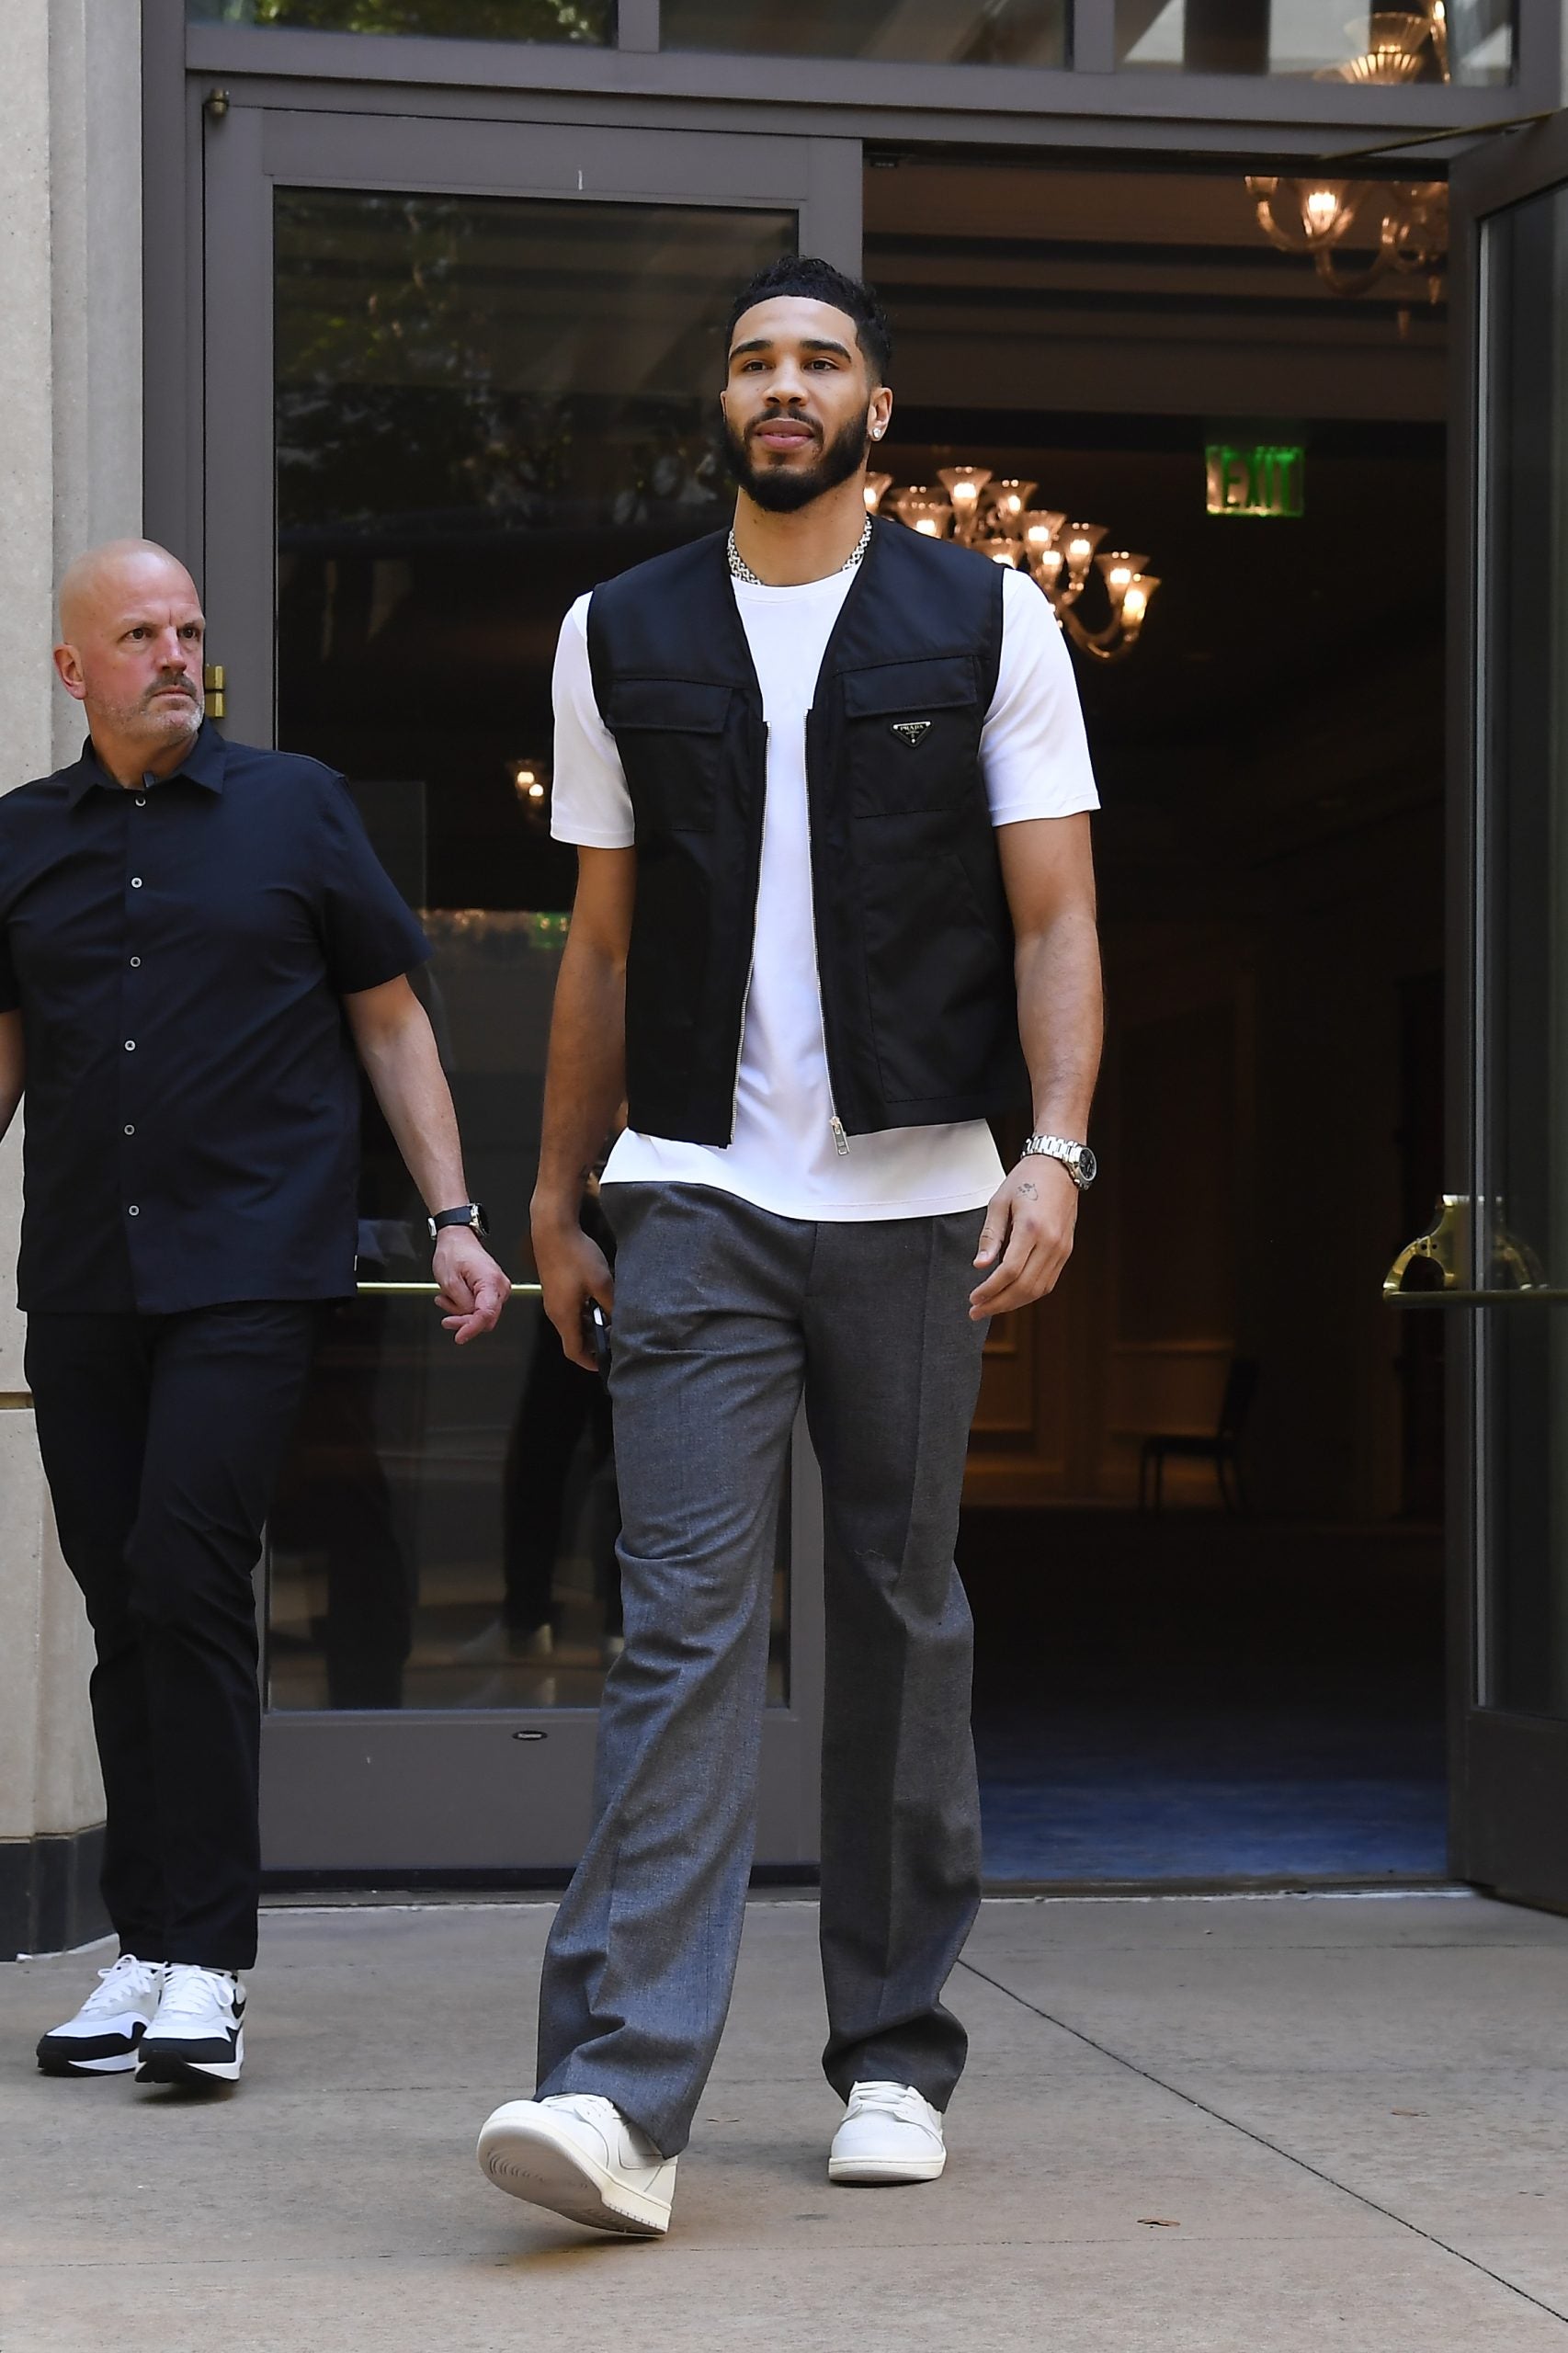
column 1038, row 1147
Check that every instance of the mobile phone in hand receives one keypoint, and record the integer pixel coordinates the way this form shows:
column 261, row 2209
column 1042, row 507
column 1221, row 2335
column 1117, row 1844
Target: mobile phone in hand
column 596, row 1331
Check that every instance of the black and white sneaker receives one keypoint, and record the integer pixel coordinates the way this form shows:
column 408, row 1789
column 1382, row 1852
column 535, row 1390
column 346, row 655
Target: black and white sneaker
column 197, row 2035
column 102, row 2038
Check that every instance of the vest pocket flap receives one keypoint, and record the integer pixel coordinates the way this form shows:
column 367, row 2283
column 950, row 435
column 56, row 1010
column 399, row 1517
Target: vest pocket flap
column 674, row 706
column 941, row 682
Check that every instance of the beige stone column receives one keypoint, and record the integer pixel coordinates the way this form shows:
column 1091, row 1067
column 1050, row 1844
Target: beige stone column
column 70, row 473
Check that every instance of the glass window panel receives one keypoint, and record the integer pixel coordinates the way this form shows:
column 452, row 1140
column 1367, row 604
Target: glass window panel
column 579, row 20
column 1523, row 1224
column 950, row 32
column 1464, row 41
column 483, row 406
column 444, row 1533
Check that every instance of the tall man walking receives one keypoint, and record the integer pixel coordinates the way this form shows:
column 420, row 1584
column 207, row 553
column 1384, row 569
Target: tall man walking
column 828, row 783
column 195, row 940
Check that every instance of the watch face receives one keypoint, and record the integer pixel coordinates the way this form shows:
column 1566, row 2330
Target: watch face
column 1088, row 1166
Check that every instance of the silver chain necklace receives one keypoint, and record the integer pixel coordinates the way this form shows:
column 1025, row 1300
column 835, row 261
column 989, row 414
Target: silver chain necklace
column 741, row 570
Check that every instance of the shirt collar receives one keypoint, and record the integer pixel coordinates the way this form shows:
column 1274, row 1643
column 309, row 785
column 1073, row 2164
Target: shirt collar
column 204, row 765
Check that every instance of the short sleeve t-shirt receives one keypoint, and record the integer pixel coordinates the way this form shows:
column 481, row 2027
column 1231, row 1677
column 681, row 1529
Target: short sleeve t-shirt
column 784, row 1156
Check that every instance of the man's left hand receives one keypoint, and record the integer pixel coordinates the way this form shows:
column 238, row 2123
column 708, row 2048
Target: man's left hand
column 473, row 1290
column 1026, row 1238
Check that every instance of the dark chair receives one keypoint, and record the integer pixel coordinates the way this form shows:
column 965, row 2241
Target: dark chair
column 1223, row 1450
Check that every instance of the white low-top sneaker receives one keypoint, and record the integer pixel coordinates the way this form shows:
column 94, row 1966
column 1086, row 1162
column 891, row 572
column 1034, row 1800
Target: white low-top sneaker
column 577, row 2155
column 101, row 2039
column 197, row 2036
column 890, row 2132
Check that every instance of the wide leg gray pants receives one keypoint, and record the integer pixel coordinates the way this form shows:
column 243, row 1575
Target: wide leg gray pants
column 724, row 1315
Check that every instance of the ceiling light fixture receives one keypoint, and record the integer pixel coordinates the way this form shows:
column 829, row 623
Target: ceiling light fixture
column 1408, row 220
column 1314, row 216
column 996, row 518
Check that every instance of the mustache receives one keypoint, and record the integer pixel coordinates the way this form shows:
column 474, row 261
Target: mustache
column 784, row 416
column 171, row 687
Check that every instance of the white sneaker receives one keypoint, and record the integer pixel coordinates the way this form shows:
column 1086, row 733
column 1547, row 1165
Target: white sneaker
column 890, row 2132
column 577, row 2155
column 199, row 2034
column 101, row 2039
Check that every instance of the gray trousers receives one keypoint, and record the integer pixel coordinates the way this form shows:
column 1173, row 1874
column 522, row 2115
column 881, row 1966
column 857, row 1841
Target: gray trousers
column 725, row 1315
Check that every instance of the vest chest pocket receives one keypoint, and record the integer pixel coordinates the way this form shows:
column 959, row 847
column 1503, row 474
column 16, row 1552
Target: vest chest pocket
column 671, row 734
column 912, row 735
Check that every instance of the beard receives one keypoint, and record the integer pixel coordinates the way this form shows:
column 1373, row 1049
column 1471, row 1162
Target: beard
column 784, row 490
column 152, row 720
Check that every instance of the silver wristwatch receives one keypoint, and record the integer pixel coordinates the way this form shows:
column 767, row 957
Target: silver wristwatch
column 1077, row 1158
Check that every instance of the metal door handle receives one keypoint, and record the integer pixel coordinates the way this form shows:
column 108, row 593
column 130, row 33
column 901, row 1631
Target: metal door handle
column 1445, row 1246
column 1437, row 1269
column 429, row 1291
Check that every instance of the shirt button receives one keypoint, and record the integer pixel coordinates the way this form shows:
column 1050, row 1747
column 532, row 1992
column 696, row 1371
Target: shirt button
column 135, row 963
column 134, row 1211
column 136, row 881
column 141, row 801
column 130, row 1128
column 131, row 1045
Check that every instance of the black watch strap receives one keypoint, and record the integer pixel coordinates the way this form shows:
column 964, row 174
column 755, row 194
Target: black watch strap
column 471, row 1214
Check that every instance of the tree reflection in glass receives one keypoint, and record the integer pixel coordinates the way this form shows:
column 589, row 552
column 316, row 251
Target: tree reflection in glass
column 553, row 20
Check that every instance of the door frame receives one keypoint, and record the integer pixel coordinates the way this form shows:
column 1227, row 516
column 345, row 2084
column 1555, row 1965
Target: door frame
column 1509, row 1772
column 431, row 1791
column 1099, row 122
column 257, row 145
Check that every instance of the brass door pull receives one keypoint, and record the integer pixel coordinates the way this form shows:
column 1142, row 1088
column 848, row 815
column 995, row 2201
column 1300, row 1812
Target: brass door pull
column 1438, row 1268
column 1442, row 1250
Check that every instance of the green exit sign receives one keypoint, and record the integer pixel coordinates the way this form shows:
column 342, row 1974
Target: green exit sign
column 1267, row 480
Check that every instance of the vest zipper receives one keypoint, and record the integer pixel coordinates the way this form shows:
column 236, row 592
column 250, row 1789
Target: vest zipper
column 751, row 968
column 741, row 1046
column 840, row 1141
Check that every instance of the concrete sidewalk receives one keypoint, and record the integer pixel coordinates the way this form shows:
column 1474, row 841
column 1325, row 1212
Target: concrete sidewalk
column 1230, row 2125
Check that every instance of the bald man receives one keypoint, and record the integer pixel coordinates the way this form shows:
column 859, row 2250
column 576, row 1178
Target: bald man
column 196, row 942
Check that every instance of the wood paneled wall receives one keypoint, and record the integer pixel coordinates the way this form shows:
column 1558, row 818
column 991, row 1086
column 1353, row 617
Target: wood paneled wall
column 1141, row 1331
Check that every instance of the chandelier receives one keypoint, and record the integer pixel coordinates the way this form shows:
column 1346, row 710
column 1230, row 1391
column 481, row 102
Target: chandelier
column 1409, row 217
column 1397, row 46
column 997, row 519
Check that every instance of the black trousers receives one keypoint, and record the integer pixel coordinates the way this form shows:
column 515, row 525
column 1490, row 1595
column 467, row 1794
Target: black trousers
column 559, row 1401
column 161, row 1437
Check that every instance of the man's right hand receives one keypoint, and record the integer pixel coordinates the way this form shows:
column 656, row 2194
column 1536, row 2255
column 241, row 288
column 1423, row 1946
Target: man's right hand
column 573, row 1270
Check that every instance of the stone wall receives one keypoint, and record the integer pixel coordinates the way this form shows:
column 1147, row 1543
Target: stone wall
column 70, row 473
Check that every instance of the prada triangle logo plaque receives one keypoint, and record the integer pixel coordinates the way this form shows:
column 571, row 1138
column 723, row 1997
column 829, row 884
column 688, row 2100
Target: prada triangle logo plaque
column 910, row 731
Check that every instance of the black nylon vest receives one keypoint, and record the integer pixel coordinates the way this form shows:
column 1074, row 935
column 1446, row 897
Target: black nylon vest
column 914, row 941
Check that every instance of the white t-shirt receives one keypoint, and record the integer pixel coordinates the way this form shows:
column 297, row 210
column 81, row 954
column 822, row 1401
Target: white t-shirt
column 784, row 1155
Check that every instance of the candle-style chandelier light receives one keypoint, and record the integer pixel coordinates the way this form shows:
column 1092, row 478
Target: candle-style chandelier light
column 996, row 518
column 1406, row 221
column 1398, row 45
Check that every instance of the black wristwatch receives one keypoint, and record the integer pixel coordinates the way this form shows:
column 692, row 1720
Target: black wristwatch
column 472, row 1214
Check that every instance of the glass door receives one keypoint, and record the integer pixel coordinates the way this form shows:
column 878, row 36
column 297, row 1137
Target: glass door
column 457, row 373
column 1497, row 1257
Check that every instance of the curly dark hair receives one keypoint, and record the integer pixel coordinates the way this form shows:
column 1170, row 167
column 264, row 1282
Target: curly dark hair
column 819, row 283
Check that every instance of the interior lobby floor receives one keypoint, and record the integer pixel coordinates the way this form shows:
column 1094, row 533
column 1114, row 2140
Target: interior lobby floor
column 1189, row 2125
column 1188, row 1698
column 1242, row 1792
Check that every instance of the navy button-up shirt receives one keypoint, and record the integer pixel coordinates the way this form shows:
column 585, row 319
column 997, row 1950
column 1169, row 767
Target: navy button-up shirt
column 178, row 953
